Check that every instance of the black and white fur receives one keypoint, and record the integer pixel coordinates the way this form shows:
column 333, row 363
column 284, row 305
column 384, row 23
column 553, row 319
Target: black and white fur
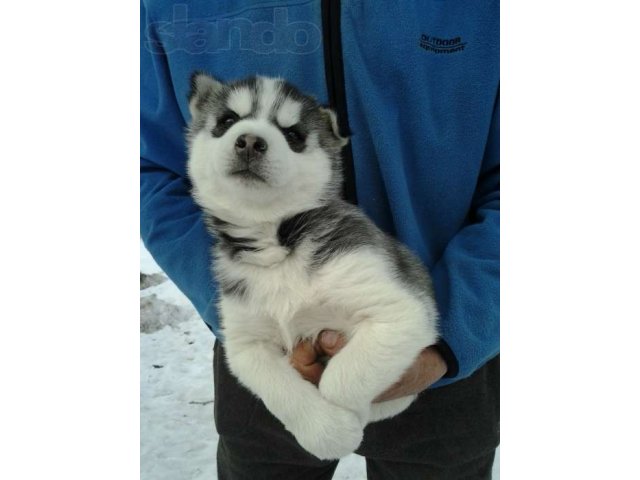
column 293, row 259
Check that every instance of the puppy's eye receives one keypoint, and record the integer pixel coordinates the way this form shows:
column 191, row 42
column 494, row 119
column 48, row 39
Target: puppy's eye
column 293, row 135
column 224, row 123
column 228, row 119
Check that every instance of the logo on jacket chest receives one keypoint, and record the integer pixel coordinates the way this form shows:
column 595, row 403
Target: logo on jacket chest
column 441, row 45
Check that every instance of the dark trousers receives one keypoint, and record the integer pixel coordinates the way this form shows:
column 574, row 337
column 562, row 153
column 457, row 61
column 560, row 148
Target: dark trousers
column 447, row 433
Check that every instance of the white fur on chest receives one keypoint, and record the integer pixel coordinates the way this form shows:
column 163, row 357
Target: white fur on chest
column 289, row 301
column 274, row 295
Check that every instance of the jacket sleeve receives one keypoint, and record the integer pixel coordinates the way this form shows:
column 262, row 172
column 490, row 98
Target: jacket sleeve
column 171, row 224
column 467, row 276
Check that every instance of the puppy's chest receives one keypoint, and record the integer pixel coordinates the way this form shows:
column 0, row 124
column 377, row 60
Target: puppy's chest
column 278, row 290
column 284, row 302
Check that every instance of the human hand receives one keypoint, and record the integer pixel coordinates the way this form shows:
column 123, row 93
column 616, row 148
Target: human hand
column 305, row 358
column 427, row 369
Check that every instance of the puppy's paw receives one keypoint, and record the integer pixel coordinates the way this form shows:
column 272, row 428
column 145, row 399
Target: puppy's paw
column 390, row 408
column 345, row 395
column 328, row 432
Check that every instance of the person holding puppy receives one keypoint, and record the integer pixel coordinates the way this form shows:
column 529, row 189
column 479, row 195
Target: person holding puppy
column 417, row 89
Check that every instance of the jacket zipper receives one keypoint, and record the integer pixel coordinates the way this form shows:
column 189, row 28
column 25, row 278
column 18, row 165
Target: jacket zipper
column 334, row 73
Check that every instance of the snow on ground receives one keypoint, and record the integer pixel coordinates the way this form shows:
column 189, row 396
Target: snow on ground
column 177, row 434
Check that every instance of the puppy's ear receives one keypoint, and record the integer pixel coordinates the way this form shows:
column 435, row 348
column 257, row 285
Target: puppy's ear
column 203, row 87
column 337, row 140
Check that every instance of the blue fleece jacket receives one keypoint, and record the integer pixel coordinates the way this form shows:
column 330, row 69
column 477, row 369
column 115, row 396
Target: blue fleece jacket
column 421, row 83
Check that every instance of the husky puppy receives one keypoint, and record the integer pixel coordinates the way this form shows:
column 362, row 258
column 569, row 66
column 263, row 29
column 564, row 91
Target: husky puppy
column 292, row 259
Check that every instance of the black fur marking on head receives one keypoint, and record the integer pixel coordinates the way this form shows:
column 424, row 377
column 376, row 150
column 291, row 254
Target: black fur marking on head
column 252, row 86
column 223, row 123
column 295, row 137
column 313, row 117
column 290, row 91
column 250, row 83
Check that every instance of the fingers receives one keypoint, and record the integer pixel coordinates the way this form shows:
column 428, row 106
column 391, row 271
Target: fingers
column 331, row 342
column 305, row 360
column 304, row 354
column 312, row 373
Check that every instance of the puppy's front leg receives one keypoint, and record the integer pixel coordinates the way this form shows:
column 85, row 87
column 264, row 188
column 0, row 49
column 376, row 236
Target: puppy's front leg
column 327, row 431
column 385, row 343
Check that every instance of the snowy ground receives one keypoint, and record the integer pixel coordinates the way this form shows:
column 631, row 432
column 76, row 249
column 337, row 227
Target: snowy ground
column 177, row 435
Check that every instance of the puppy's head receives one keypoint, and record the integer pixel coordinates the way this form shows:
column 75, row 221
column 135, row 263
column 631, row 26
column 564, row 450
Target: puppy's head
column 259, row 149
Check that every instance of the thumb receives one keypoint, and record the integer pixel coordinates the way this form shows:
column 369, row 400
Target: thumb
column 331, row 342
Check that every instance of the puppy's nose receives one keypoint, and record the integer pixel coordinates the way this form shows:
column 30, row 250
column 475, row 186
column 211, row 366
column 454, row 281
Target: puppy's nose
column 251, row 145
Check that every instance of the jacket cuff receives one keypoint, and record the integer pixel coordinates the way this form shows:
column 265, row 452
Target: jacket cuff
column 450, row 359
